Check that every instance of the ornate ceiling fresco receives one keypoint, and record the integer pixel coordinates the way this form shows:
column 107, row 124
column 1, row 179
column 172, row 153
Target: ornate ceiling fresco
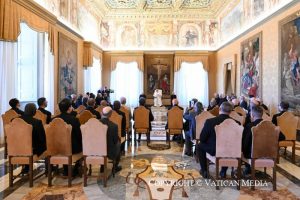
column 161, row 24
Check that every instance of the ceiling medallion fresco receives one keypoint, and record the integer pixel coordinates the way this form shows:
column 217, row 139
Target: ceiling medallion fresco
column 161, row 24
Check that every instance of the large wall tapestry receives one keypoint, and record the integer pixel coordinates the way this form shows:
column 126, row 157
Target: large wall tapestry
column 67, row 62
column 158, row 74
column 251, row 66
column 289, row 59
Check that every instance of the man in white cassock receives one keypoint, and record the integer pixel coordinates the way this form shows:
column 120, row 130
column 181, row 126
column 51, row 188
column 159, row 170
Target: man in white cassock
column 157, row 98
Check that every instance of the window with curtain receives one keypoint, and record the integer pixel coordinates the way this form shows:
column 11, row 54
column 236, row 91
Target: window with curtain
column 92, row 77
column 191, row 81
column 127, row 81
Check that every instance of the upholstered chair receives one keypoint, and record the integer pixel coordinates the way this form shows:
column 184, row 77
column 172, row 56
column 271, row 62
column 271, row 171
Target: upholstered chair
column 215, row 111
column 228, row 147
column 19, row 147
column 175, row 123
column 117, row 119
column 59, row 147
column 127, row 114
column 41, row 116
column 234, row 115
column 99, row 109
column 200, row 121
column 264, row 149
column 6, row 118
column 80, row 109
column 84, row 116
column 94, row 144
column 141, row 123
column 240, row 111
column 288, row 126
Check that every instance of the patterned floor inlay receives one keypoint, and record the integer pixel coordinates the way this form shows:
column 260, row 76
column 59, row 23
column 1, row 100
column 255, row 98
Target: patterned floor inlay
column 43, row 192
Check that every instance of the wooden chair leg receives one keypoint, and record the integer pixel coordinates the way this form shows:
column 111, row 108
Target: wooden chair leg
column 84, row 173
column 239, row 171
column 49, row 173
column 105, row 172
column 274, row 178
column 265, row 171
column 30, row 171
column 294, row 152
column 217, row 173
column 252, row 174
column 11, row 175
column 69, row 171
column 5, row 148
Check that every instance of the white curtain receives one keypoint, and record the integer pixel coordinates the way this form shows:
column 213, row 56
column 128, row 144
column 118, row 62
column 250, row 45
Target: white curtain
column 127, row 81
column 8, row 72
column 191, row 81
column 48, row 75
column 92, row 77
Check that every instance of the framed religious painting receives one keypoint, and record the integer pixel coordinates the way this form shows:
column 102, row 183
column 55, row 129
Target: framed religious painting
column 67, row 70
column 158, row 74
column 251, row 66
column 289, row 48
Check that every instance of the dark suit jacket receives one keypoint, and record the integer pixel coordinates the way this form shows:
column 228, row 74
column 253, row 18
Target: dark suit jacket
column 123, row 124
column 38, row 134
column 244, row 105
column 274, row 118
column 247, row 138
column 112, row 138
column 46, row 112
column 191, row 118
column 18, row 111
column 76, row 132
column 94, row 112
column 208, row 134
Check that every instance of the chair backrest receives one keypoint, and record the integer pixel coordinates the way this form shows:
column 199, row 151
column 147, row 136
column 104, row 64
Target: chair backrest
column 85, row 116
column 234, row 115
column 58, row 137
column 117, row 119
column 200, row 120
column 41, row 116
column 141, row 117
column 175, row 116
column 240, row 111
column 126, row 111
column 80, row 109
column 229, row 139
column 266, row 117
column 19, row 138
column 99, row 109
column 7, row 117
column 265, row 140
column 94, row 142
column 288, row 125
column 215, row 111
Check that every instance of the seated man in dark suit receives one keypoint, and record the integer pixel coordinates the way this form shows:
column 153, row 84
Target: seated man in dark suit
column 43, row 103
column 65, row 107
column 173, row 96
column 38, row 132
column 243, row 102
column 15, row 105
column 91, row 107
column 190, row 116
column 113, row 142
column 212, row 104
column 116, row 107
column 256, row 115
column 175, row 103
column 283, row 107
column 142, row 96
column 142, row 102
column 208, row 138
column 253, row 103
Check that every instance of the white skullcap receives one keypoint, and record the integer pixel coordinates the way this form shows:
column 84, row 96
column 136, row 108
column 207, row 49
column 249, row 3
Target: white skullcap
column 106, row 110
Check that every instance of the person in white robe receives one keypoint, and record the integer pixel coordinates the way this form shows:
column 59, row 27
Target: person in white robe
column 157, row 98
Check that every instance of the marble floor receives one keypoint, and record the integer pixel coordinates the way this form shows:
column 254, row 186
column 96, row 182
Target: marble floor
column 135, row 161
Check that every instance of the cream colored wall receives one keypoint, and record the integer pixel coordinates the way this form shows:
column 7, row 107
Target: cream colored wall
column 270, row 58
